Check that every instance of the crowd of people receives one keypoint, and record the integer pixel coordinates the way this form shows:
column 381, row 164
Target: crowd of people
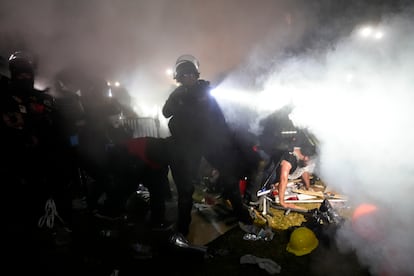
column 63, row 154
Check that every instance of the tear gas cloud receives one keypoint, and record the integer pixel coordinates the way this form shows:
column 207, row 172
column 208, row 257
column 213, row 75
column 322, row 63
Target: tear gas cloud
column 124, row 39
column 134, row 42
column 357, row 98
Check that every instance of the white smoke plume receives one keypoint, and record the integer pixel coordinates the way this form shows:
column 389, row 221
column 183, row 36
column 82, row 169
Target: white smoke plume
column 357, row 98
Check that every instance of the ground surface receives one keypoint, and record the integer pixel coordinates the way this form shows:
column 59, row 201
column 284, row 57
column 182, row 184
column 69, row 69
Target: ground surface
column 117, row 248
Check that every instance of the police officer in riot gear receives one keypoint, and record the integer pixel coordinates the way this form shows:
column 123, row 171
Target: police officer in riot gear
column 28, row 114
column 30, row 144
column 198, row 128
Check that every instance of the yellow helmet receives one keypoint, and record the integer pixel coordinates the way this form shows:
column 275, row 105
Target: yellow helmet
column 302, row 241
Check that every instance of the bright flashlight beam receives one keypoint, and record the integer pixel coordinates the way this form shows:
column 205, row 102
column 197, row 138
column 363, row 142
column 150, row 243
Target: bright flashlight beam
column 233, row 95
column 267, row 100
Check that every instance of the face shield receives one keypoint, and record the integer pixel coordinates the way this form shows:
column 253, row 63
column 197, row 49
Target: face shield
column 186, row 64
column 22, row 70
column 20, row 62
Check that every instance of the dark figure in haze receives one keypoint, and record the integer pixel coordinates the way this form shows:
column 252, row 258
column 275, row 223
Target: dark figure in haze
column 199, row 128
column 134, row 162
column 31, row 147
column 97, row 136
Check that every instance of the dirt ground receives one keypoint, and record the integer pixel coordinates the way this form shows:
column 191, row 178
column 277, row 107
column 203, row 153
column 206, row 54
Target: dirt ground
column 324, row 260
column 117, row 248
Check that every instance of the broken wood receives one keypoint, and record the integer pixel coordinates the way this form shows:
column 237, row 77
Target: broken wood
column 319, row 194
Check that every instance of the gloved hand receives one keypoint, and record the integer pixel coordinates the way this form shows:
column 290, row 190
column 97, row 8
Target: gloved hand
column 203, row 83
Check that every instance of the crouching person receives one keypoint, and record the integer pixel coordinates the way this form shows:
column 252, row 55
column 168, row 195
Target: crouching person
column 151, row 167
column 139, row 165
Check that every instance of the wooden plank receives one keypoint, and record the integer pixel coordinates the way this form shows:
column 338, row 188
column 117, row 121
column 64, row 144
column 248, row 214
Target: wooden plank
column 319, row 194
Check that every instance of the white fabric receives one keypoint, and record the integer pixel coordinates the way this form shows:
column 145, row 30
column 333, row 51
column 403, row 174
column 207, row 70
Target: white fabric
column 267, row 264
column 299, row 171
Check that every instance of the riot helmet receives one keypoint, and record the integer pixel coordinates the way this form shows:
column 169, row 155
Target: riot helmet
column 21, row 62
column 186, row 64
column 22, row 70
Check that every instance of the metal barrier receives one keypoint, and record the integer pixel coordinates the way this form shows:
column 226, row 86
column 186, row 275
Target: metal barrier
column 143, row 126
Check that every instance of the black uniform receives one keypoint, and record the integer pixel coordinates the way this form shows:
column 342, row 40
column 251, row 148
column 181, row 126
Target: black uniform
column 198, row 128
column 29, row 145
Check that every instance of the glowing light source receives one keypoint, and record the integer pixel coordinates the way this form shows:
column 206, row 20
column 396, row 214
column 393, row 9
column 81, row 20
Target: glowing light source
column 378, row 35
column 115, row 83
column 266, row 100
column 369, row 32
column 169, row 72
column 366, row 31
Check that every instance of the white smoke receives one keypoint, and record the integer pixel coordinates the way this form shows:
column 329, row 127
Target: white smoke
column 358, row 100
